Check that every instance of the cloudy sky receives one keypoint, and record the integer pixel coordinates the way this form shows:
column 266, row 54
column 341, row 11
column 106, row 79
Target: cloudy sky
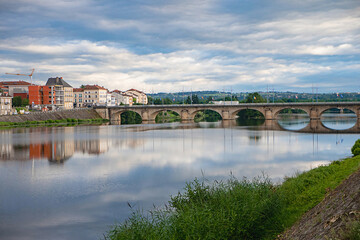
column 176, row 45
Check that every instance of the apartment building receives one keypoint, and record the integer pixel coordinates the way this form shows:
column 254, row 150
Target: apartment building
column 121, row 98
column 139, row 96
column 5, row 104
column 94, row 95
column 15, row 86
column 78, row 97
column 42, row 95
column 63, row 92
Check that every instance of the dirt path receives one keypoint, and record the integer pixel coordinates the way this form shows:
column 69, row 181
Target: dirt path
column 330, row 218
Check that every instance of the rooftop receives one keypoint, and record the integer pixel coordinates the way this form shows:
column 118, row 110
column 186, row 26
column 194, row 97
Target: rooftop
column 57, row 81
column 78, row 89
column 94, row 87
column 14, row 83
column 134, row 90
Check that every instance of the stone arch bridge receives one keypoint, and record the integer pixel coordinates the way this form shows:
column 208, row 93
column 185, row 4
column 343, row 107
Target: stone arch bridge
column 187, row 112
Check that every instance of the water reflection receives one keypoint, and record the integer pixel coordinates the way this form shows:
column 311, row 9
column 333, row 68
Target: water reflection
column 48, row 143
column 100, row 168
column 340, row 121
column 293, row 121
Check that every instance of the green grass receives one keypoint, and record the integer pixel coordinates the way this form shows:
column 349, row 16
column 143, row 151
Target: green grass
column 51, row 122
column 307, row 189
column 236, row 209
column 353, row 233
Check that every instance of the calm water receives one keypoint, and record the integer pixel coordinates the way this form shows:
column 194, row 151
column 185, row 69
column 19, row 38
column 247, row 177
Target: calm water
column 74, row 182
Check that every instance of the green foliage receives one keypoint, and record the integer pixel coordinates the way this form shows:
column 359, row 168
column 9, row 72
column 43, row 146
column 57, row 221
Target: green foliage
column 255, row 98
column 356, row 148
column 207, row 116
column 19, row 102
column 195, row 99
column 130, row 117
column 25, row 102
column 307, row 189
column 250, row 114
column 221, row 210
column 353, row 233
column 168, row 116
column 16, row 101
column 237, row 209
column 51, row 122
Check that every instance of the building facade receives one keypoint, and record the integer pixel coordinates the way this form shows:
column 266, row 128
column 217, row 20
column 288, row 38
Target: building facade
column 16, row 86
column 139, row 96
column 121, row 98
column 64, row 97
column 5, row 104
column 78, row 97
column 42, row 95
column 94, row 95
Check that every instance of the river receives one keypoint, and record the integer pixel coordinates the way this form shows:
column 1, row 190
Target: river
column 75, row 182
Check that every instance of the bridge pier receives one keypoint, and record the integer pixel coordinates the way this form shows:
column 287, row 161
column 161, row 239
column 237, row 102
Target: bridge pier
column 185, row 115
column 225, row 115
column 314, row 113
column 115, row 119
column 269, row 115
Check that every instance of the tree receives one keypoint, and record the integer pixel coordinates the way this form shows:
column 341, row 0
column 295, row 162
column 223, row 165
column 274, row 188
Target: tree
column 255, row 98
column 16, row 102
column 25, row 102
column 195, row 99
column 188, row 100
column 250, row 113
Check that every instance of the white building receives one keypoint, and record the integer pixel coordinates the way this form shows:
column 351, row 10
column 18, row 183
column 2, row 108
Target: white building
column 95, row 95
column 140, row 97
column 122, row 98
column 5, row 104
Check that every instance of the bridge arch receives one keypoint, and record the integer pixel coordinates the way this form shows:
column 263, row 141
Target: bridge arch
column 279, row 110
column 193, row 113
column 115, row 117
column 153, row 115
column 324, row 109
column 235, row 113
column 339, row 118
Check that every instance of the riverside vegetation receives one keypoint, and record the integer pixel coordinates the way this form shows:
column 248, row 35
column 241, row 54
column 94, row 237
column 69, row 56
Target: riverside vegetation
column 238, row 209
column 67, row 121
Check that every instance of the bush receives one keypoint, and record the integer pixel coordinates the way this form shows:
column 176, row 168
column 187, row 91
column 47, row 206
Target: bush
column 221, row 210
column 356, row 148
column 236, row 209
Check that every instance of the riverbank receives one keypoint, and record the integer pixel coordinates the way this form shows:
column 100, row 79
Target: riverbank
column 240, row 209
column 54, row 116
column 50, row 123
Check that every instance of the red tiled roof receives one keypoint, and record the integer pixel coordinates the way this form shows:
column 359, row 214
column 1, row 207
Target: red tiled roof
column 12, row 83
column 117, row 91
column 134, row 90
column 78, row 89
column 94, row 87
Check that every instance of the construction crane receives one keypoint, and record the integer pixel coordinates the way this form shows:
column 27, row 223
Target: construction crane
column 19, row 74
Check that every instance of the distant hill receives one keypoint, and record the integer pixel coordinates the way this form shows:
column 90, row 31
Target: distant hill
column 179, row 97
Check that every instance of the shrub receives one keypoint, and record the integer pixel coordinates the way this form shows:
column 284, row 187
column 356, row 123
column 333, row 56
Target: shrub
column 356, row 148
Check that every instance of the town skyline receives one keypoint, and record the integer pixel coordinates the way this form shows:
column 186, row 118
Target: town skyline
column 176, row 45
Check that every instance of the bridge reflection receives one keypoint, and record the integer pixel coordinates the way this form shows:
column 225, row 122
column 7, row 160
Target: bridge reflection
column 314, row 126
column 59, row 144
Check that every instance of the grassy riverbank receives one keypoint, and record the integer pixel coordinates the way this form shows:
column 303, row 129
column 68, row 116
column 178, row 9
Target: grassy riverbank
column 50, row 122
column 236, row 209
